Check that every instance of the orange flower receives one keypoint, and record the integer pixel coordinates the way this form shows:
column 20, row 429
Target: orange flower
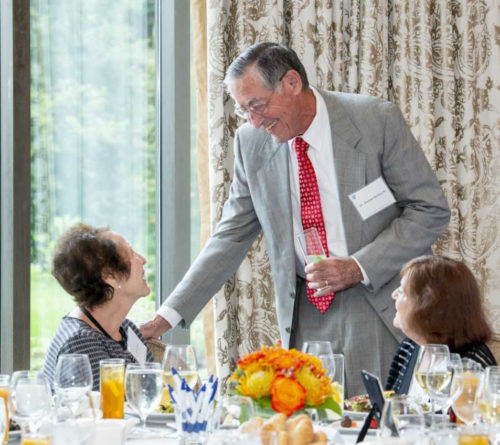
column 287, row 395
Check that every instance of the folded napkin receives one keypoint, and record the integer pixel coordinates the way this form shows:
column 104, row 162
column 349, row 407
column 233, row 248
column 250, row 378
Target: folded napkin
column 112, row 431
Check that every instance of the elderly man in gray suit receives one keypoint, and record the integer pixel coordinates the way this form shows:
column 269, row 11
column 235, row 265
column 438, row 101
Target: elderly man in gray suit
column 346, row 164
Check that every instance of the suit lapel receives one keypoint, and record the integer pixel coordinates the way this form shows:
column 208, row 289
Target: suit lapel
column 349, row 167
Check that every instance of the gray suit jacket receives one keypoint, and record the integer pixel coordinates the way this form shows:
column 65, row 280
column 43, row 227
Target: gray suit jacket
column 370, row 139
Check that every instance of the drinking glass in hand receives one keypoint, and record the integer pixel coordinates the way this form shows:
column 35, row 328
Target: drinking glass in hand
column 311, row 246
column 183, row 359
column 402, row 417
column 73, row 378
column 143, row 387
column 431, row 371
column 31, row 398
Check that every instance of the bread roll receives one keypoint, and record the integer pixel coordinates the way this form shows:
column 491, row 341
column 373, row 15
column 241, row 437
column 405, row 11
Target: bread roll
column 303, row 433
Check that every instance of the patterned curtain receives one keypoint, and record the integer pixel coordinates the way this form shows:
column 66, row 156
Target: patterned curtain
column 436, row 59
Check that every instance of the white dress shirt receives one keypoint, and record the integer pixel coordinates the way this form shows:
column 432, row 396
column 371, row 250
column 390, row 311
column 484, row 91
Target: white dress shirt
column 320, row 152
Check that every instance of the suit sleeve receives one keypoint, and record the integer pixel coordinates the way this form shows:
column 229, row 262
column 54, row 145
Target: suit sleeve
column 224, row 250
column 425, row 213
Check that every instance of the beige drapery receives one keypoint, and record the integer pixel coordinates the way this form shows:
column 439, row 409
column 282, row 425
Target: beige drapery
column 436, row 59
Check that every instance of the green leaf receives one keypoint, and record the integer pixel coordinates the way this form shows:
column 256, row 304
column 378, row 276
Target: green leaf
column 330, row 404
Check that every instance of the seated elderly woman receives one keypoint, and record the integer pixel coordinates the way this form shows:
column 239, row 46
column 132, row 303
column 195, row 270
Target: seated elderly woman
column 438, row 302
column 105, row 276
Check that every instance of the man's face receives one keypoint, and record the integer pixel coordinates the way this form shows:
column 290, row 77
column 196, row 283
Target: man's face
column 276, row 111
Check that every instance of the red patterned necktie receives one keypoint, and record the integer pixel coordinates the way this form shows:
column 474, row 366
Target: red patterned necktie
column 310, row 211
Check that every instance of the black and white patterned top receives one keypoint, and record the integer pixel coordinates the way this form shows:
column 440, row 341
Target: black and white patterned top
column 74, row 336
column 402, row 365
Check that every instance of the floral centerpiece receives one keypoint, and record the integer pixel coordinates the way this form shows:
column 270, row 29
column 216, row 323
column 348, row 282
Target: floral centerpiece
column 285, row 381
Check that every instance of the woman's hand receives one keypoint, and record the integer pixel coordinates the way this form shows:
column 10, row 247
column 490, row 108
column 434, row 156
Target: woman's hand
column 333, row 275
column 154, row 328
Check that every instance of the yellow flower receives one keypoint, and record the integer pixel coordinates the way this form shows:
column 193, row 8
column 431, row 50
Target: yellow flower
column 337, row 392
column 317, row 387
column 257, row 384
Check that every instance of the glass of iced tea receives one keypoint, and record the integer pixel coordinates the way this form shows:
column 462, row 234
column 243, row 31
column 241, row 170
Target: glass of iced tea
column 112, row 378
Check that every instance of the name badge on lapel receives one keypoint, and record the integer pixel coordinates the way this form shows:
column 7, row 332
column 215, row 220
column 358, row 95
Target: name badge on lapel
column 372, row 198
column 136, row 347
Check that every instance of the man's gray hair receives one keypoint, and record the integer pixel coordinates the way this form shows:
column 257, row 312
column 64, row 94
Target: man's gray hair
column 272, row 61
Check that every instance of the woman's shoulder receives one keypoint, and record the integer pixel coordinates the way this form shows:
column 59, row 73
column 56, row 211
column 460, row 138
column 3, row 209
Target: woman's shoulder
column 478, row 352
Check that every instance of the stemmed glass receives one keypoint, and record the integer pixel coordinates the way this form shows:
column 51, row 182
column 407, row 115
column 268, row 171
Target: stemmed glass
column 470, row 380
column 143, row 387
column 323, row 351
column 31, row 398
column 488, row 397
column 73, row 378
column 402, row 417
column 183, row 359
column 449, row 392
column 431, row 371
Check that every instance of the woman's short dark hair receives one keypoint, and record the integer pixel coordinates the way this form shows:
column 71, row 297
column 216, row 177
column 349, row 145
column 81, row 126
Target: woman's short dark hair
column 448, row 306
column 272, row 61
column 81, row 256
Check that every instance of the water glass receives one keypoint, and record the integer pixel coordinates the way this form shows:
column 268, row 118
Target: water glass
column 311, row 246
column 402, row 417
column 31, row 399
column 112, row 376
column 143, row 387
column 5, row 396
column 191, row 436
column 323, row 351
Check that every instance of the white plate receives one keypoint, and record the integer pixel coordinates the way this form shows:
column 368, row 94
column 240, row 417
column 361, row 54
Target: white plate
column 355, row 415
column 160, row 418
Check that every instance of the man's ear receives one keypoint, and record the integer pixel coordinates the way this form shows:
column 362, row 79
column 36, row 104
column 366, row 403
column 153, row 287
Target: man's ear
column 292, row 81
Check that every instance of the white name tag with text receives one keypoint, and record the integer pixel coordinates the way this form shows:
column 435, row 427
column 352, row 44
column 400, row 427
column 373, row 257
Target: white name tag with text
column 372, row 198
column 136, row 347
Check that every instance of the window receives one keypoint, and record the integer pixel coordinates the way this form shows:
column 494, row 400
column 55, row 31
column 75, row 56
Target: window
column 108, row 143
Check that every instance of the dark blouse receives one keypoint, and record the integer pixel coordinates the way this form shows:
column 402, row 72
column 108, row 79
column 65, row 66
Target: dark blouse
column 74, row 336
column 403, row 363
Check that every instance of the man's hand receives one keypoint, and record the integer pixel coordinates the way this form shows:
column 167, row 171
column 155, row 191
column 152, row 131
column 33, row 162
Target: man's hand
column 154, row 328
column 333, row 275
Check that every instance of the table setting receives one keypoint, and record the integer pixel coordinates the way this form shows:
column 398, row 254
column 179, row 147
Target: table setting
column 275, row 397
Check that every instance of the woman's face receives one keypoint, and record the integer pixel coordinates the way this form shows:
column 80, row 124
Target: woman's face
column 404, row 306
column 135, row 285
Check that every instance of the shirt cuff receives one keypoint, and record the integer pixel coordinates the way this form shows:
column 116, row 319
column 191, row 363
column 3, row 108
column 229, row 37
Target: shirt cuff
column 365, row 280
column 171, row 315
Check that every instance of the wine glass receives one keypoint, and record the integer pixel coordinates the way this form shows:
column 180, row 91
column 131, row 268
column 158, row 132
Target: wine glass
column 402, row 417
column 431, row 371
column 31, row 398
column 183, row 360
column 73, row 378
column 311, row 245
column 447, row 393
column 323, row 351
column 470, row 380
column 143, row 387
column 488, row 397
